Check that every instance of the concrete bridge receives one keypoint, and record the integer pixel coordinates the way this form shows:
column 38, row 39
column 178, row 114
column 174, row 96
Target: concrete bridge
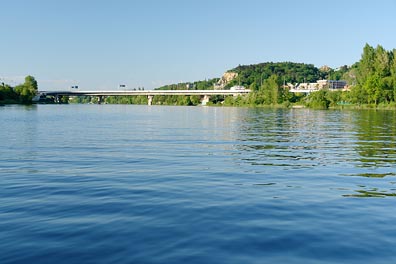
column 205, row 94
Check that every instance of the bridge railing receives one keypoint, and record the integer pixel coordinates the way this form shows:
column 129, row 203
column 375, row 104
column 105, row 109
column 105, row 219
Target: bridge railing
column 150, row 93
column 146, row 92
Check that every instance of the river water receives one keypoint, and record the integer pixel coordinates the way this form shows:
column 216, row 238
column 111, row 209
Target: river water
column 158, row 184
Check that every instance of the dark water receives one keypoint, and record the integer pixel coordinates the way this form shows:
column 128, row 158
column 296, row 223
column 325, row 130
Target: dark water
column 139, row 184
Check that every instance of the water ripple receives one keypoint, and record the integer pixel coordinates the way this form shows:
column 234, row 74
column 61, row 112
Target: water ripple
column 139, row 184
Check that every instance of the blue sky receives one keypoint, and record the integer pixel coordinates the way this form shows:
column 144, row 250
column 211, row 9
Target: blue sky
column 147, row 43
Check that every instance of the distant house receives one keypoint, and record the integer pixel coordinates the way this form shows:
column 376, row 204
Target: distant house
column 319, row 85
column 337, row 84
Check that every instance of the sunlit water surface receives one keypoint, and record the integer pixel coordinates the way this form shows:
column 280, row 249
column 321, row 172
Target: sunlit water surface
column 140, row 184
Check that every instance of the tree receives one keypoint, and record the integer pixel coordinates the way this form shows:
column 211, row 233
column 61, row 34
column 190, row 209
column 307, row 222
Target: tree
column 381, row 62
column 334, row 97
column 7, row 93
column 375, row 76
column 374, row 87
column 27, row 90
column 393, row 72
column 318, row 100
column 270, row 92
column 31, row 82
column 366, row 63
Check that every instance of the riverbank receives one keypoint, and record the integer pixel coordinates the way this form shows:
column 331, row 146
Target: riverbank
column 285, row 105
column 389, row 106
column 9, row 102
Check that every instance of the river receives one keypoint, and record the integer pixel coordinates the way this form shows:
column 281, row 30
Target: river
column 161, row 184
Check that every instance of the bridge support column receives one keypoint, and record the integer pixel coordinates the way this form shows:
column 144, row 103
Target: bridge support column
column 150, row 99
column 205, row 99
column 58, row 99
column 100, row 99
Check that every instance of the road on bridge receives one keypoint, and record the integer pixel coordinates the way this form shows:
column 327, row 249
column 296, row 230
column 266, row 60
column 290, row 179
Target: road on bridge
column 149, row 93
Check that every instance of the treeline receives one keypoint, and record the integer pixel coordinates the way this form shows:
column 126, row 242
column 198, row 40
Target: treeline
column 375, row 76
column 191, row 100
column 254, row 76
column 20, row 94
column 268, row 83
column 372, row 82
column 198, row 85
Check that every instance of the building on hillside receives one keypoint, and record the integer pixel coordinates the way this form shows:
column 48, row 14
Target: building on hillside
column 336, row 85
column 332, row 85
column 322, row 83
column 308, row 86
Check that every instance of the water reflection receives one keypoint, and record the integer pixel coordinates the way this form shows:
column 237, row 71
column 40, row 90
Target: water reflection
column 296, row 138
column 309, row 143
column 376, row 133
column 305, row 137
column 370, row 193
column 376, row 149
column 373, row 175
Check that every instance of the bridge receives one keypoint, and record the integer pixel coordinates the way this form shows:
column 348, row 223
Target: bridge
column 205, row 94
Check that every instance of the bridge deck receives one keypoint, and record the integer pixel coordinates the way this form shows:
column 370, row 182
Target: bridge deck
column 147, row 93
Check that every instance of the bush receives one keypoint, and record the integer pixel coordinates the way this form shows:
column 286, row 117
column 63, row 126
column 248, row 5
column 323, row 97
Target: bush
column 318, row 100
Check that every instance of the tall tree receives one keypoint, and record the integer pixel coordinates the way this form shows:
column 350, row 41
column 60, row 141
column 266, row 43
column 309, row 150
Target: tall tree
column 270, row 90
column 31, row 83
column 393, row 72
column 366, row 64
column 381, row 62
column 374, row 76
column 27, row 90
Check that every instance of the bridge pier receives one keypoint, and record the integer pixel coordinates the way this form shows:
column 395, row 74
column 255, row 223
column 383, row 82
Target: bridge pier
column 150, row 99
column 58, row 99
column 100, row 99
column 205, row 99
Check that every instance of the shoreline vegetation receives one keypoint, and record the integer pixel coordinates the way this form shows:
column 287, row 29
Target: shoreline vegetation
column 20, row 94
column 371, row 84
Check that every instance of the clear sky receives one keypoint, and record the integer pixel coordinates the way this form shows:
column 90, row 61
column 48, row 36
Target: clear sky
column 99, row 44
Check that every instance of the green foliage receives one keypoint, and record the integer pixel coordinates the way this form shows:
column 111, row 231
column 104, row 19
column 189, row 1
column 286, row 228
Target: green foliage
column 198, row 85
column 270, row 93
column 338, row 74
column 27, row 90
column 22, row 93
column 333, row 98
column 254, row 76
column 375, row 77
column 7, row 94
column 393, row 74
column 80, row 100
column 318, row 100
column 31, row 83
column 157, row 100
column 372, row 81
column 126, row 100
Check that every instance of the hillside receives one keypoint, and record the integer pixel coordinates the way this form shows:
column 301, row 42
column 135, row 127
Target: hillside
column 253, row 76
column 370, row 82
